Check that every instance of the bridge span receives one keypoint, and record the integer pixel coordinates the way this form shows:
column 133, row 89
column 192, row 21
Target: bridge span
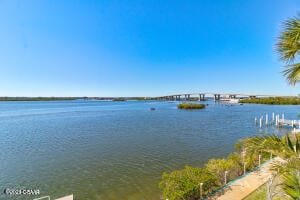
column 216, row 96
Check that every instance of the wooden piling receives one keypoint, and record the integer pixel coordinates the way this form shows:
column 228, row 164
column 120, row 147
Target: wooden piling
column 260, row 122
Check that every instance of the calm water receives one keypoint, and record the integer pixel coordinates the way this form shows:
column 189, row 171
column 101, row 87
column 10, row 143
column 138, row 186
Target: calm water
column 115, row 150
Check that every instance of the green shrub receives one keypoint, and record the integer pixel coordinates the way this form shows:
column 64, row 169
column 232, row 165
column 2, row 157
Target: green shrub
column 185, row 183
column 219, row 167
column 273, row 101
column 191, row 106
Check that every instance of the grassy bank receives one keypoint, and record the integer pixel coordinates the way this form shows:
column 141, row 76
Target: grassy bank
column 273, row 101
column 260, row 193
column 191, row 106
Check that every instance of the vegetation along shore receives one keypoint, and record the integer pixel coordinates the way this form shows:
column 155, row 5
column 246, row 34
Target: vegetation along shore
column 273, row 101
column 190, row 106
column 250, row 152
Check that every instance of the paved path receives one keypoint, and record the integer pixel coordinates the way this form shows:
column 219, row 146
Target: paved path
column 244, row 186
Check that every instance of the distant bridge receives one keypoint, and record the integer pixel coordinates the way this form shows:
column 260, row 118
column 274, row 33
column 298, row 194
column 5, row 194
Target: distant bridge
column 216, row 96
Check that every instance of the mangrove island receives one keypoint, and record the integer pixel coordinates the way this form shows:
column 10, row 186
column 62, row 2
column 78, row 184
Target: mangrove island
column 190, row 106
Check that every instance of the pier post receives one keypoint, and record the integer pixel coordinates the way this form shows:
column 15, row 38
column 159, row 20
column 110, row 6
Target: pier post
column 273, row 117
column 267, row 119
column 260, row 122
column 255, row 121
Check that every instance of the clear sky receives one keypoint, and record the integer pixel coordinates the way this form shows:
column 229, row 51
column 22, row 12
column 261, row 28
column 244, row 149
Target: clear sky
column 141, row 48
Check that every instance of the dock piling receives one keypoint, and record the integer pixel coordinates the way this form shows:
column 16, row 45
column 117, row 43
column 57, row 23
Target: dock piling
column 260, row 122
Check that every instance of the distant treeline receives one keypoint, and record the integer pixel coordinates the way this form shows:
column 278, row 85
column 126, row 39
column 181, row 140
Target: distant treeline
column 37, row 98
column 69, row 98
column 273, row 101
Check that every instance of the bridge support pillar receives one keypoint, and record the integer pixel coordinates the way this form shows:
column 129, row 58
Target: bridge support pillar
column 217, row 97
column 178, row 97
column 201, row 97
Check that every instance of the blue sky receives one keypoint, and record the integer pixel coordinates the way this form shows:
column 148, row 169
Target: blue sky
column 141, row 48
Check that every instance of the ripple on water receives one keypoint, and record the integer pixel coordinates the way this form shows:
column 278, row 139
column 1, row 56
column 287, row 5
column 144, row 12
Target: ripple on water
column 115, row 150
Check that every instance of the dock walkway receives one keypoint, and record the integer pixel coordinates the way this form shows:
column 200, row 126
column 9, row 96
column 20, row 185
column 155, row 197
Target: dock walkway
column 287, row 122
column 241, row 188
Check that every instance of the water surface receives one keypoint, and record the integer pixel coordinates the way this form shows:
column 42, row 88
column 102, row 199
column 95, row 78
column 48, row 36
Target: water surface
column 115, row 150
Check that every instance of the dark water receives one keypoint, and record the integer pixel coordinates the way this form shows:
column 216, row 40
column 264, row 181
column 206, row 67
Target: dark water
column 115, row 150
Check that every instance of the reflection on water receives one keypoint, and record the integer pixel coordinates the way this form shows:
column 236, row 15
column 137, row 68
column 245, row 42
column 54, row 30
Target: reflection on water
column 115, row 150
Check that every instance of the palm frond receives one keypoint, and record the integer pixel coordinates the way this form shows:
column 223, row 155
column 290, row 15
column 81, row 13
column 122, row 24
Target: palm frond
column 289, row 143
column 292, row 73
column 291, row 186
column 288, row 46
column 297, row 146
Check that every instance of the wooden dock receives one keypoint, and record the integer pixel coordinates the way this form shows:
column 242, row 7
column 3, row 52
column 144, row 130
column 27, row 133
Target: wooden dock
column 276, row 120
column 287, row 122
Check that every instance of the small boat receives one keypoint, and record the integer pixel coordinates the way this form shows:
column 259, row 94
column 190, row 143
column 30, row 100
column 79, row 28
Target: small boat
column 152, row 109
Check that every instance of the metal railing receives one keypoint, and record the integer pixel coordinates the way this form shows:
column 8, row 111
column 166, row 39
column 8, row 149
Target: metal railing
column 45, row 197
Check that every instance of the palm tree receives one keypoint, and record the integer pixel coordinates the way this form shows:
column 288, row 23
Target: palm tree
column 287, row 169
column 288, row 48
column 291, row 185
